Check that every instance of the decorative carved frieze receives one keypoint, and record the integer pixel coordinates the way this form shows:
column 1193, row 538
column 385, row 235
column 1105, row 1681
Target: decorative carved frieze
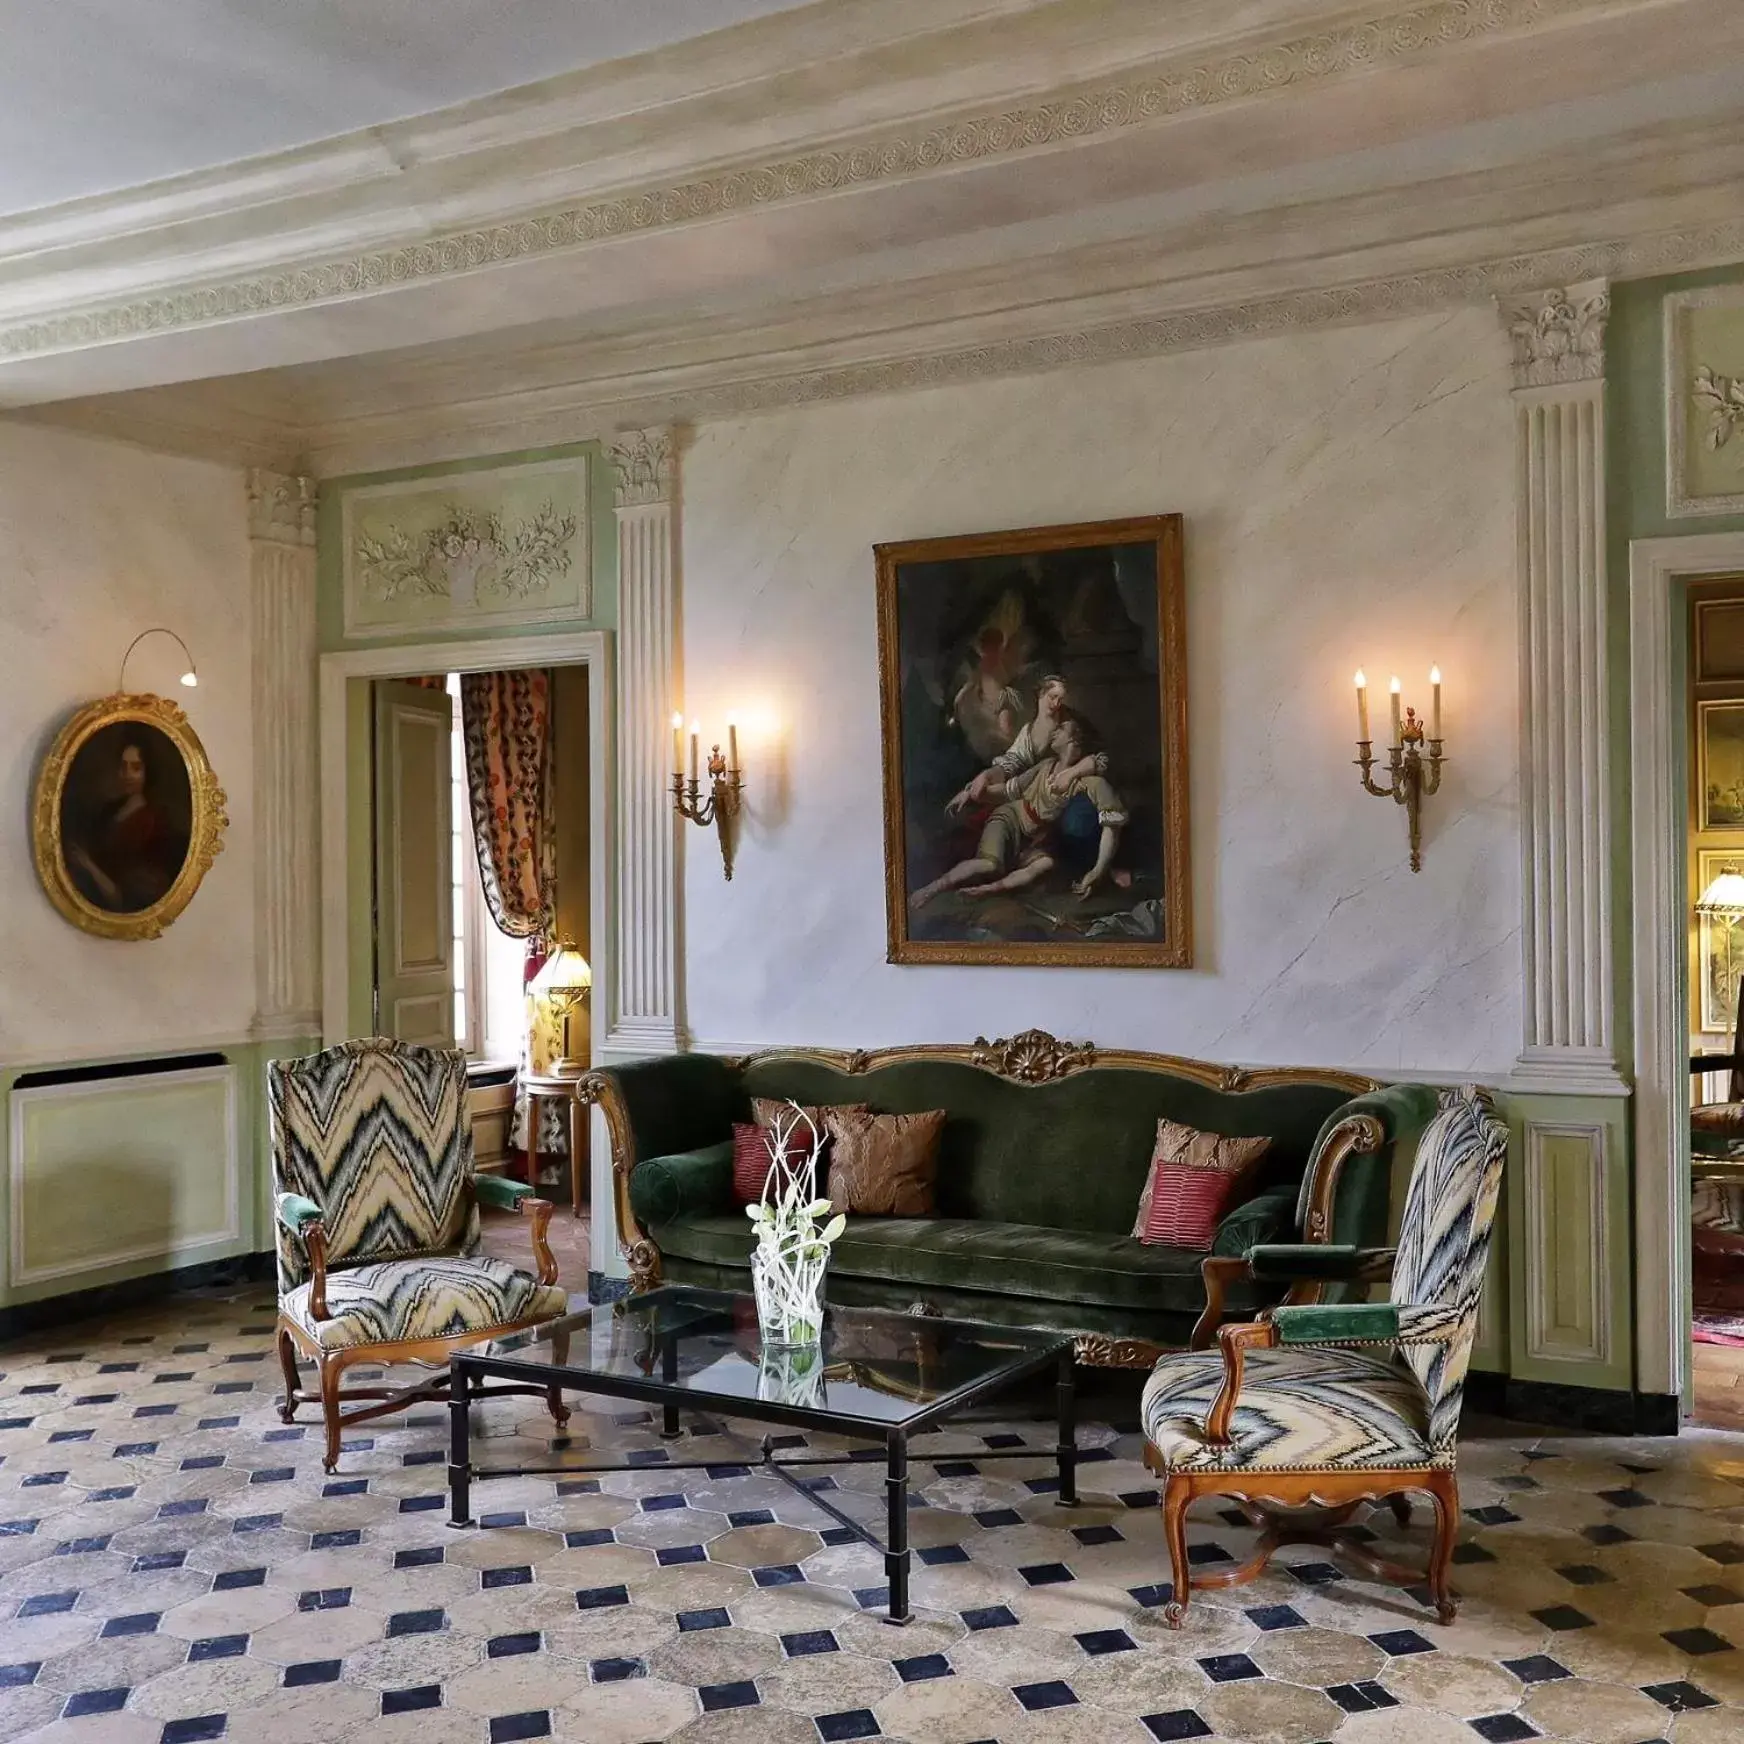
column 280, row 508
column 1032, row 1056
column 642, row 460
column 1559, row 335
column 1721, row 398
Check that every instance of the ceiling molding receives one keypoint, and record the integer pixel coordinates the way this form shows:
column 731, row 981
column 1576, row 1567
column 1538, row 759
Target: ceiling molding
column 212, row 279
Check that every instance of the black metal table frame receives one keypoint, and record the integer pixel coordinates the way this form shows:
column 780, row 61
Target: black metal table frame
column 465, row 1366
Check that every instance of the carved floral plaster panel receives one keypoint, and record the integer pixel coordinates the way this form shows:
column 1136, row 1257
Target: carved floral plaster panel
column 508, row 546
column 1704, row 401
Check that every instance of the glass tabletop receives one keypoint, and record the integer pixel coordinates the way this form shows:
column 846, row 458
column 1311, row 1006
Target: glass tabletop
column 871, row 1365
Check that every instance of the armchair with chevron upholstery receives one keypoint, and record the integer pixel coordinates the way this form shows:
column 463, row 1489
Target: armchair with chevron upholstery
column 1312, row 1410
column 378, row 1235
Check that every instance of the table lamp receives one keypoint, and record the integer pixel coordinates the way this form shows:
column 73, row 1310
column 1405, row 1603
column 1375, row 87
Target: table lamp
column 565, row 979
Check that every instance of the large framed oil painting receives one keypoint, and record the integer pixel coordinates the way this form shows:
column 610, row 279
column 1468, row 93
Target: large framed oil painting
column 1035, row 746
column 1720, row 764
column 1720, row 947
column 127, row 817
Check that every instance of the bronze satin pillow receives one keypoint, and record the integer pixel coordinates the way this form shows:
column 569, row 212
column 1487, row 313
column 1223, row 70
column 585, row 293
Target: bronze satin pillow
column 1724, row 1118
column 766, row 1110
column 883, row 1164
column 1187, row 1148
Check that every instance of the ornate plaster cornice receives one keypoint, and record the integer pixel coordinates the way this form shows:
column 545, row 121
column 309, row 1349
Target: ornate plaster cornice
column 281, row 508
column 1245, row 70
column 642, row 461
column 1559, row 334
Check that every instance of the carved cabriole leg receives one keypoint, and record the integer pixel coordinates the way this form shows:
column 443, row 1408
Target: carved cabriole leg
column 1444, row 1493
column 1401, row 1506
column 644, row 1258
column 1177, row 1497
column 288, row 1363
column 330, row 1367
column 559, row 1411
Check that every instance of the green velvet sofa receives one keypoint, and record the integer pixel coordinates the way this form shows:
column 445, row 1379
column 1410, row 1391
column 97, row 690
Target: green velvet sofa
column 1043, row 1156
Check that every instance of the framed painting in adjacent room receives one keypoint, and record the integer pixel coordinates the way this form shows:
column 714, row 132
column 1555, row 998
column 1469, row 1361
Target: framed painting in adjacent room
column 1719, row 946
column 1720, row 764
column 1035, row 746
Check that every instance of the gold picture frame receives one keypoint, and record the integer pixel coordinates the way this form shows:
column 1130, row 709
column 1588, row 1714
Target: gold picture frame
column 1720, row 765
column 1067, row 646
column 127, row 817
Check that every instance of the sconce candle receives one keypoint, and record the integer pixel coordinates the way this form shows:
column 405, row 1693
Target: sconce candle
column 1414, row 758
column 677, row 746
column 1362, row 706
column 719, row 805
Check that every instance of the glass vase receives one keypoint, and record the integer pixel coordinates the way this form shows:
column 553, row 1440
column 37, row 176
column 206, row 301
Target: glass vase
column 790, row 1299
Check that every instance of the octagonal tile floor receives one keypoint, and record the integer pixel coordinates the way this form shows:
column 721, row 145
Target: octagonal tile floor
column 175, row 1566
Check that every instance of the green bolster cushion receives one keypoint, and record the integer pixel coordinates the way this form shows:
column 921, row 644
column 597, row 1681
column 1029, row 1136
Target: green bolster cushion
column 1305, row 1259
column 500, row 1193
column 1337, row 1322
column 1265, row 1218
column 294, row 1211
column 695, row 1183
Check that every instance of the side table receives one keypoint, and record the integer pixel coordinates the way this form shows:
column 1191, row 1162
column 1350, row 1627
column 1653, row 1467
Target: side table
column 561, row 1087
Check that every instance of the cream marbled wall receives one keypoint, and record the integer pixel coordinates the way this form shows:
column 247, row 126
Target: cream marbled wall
column 1348, row 499
column 98, row 542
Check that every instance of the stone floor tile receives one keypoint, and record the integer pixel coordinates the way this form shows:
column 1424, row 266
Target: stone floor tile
column 948, row 1710
column 215, row 1686
column 828, row 1683
column 626, row 1713
column 747, row 1726
column 313, row 1714
column 1451, row 1683
column 1595, row 1713
column 713, row 1656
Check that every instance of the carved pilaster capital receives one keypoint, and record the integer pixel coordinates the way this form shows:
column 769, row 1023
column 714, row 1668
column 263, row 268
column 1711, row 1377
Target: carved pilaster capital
column 281, row 509
column 643, row 461
column 1559, row 334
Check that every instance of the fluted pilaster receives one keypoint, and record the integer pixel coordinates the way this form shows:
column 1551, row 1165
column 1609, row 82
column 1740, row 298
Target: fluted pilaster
column 281, row 569
column 646, row 1018
column 1559, row 399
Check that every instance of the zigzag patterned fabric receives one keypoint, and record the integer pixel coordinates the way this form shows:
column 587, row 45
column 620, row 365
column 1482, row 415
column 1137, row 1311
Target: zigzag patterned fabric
column 1444, row 1243
column 1302, row 1408
column 374, row 1133
column 1331, row 1406
column 441, row 1297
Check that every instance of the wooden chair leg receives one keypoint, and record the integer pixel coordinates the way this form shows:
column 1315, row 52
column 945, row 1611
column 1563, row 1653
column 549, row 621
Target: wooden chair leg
column 1444, row 1493
column 288, row 1363
column 330, row 1370
column 1401, row 1506
column 559, row 1411
column 1177, row 1493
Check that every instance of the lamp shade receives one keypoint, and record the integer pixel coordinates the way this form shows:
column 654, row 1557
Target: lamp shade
column 1724, row 895
column 566, row 971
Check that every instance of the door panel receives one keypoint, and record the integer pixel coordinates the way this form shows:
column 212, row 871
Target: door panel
column 414, row 927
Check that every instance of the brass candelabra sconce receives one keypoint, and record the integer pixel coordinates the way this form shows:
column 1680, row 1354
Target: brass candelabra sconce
column 718, row 804
column 1413, row 758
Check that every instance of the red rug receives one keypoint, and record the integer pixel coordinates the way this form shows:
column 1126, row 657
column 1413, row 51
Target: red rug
column 1709, row 1328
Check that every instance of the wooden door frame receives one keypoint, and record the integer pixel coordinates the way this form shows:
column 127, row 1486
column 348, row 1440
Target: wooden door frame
column 589, row 648
column 1659, row 819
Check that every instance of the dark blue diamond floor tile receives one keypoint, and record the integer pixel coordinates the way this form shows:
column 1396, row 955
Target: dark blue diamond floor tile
column 1680, row 1697
column 1178, row 1723
column 1362, row 1698
column 1713, row 1595
column 232, row 1578
column 198, row 1730
column 1046, row 1574
column 715, row 1617
column 922, row 1668
column 780, row 1574
column 1229, row 1667
column 508, row 1646
column 425, row 1622
column 1270, row 1617
column 1697, row 1642
column 1399, row 1642
column 425, row 1556
column 802, row 1642
column 1051, row 1694
column 17, row 1675
column 616, row 1670
column 850, row 1723
column 598, row 1598
column 218, row 1647
column 938, row 1555
column 990, row 1617
column 1504, row 1728
column 1584, row 1574
column 1536, row 1668
column 992, row 1517
column 47, row 1604
column 406, row 1701
column 586, row 1538
column 510, row 1729
column 1098, row 1535
column 94, row 1701
column 324, row 1599
column 716, row 1696
column 1152, row 1596
column 515, row 1575
column 140, row 1623
column 675, row 1555
column 312, row 1671
column 1097, row 1642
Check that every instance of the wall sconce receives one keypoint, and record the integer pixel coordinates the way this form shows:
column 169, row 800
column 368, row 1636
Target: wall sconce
column 190, row 678
column 1413, row 774
column 725, row 784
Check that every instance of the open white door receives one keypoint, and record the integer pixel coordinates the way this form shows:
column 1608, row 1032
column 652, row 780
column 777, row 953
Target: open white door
column 414, row 894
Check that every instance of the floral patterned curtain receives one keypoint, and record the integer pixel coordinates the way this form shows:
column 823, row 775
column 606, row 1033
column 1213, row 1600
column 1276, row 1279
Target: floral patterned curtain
column 506, row 722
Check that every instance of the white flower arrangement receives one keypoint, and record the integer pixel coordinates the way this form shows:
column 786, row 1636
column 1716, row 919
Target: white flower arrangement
column 793, row 1247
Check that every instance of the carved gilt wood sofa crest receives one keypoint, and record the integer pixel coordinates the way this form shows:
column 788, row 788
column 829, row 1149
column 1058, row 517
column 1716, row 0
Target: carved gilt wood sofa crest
column 1045, row 1151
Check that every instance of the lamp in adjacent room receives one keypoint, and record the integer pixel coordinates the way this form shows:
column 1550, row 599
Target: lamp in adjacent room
column 190, row 678
column 566, row 981
column 1724, row 896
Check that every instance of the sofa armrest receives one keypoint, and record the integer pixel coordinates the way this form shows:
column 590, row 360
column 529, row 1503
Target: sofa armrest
column 500, row 1193
column 1346, row 1187
column 294, row 1211
column 1270, row 1216
column 1319, row 1262
column 694, row 1183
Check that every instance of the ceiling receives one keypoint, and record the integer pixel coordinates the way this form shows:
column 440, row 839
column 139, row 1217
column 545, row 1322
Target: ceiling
column 102, row 94
column 843, row 197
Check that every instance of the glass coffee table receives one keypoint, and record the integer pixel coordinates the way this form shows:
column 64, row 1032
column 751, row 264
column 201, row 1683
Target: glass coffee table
column 883, row 1376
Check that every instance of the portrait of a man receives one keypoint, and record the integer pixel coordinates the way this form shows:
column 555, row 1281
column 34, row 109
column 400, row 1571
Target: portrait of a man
column 1035, row 746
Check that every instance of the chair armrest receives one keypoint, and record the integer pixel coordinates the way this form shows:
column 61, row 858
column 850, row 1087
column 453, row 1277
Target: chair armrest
column 686, row 1184
column 1326, row 1262
column 1235, row 1342
column 1367, row 1323
column 500, row 1193
column 294, row 1211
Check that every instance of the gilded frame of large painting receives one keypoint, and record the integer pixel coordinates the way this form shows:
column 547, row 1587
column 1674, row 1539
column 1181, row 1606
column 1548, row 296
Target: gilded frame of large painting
column 1034, row 708
column 127, row 817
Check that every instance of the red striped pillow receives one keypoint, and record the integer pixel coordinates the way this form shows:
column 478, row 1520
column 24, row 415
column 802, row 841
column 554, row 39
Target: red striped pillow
column 754, row 1151
column 1194, row 1177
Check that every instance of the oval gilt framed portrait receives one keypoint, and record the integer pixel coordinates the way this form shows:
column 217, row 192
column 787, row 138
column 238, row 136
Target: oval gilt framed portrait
column 127, row 817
